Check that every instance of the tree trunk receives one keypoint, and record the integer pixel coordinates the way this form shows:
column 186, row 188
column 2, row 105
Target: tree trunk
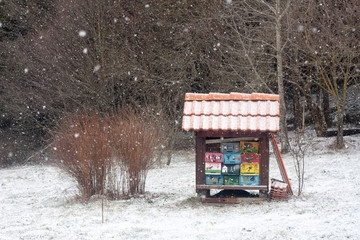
column 317, row 117
column 340, row 128
column 326, row 107
column 283, row 126
column 297, row 110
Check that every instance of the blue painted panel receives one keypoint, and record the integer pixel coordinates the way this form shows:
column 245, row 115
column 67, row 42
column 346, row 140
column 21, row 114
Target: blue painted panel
column 214, row 180
column 232, row 158
column 249, row 180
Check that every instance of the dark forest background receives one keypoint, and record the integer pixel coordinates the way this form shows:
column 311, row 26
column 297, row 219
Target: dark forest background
column 60, row 57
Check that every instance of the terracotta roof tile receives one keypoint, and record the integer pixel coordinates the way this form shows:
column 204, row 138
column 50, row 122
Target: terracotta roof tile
column 234, row 111
column 231, row 96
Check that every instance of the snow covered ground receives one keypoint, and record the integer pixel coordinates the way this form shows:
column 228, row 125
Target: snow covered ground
column 37, row 202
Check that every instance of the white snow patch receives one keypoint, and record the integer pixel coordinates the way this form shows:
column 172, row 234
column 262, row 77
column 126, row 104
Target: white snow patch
column 37, row 202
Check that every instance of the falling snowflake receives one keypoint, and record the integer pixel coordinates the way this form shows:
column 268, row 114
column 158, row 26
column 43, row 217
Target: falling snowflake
column 300, row 28
column 127, row 19
column 96, row 68
column 85, row 50
column 76, row 135
column 82, row 33
column 0, row 24
column 26, row 70
column 229, row 1
column 147, row 5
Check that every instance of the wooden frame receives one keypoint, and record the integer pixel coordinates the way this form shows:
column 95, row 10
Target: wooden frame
column 200, row 144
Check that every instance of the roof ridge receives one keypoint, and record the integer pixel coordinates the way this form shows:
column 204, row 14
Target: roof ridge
column 213, row 96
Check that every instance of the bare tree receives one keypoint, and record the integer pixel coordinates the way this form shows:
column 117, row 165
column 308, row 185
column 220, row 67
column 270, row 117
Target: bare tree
column 256, row 33
column 331, row 41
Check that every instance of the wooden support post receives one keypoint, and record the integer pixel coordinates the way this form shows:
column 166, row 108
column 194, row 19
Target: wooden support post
column 200, row 165
column 264, row 164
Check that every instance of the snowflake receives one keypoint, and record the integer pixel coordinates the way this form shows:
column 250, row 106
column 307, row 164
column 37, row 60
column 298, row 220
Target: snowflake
column 82, row 33
column 96, row 68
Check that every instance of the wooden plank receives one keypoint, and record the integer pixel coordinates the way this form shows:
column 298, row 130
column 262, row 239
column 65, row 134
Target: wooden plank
column 232, row 200
column 264, row 162
column 281, row 164
column 200, row 164
column 210, row 141
column 233, row 187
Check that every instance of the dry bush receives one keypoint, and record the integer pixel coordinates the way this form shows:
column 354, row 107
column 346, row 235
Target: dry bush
column 81, row 149
column 108, row 155
column 136, row 140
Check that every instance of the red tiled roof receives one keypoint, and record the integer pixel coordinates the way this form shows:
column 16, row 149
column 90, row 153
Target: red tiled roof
column 234, row 111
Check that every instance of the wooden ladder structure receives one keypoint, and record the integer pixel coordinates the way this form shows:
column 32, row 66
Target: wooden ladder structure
column 281, row 164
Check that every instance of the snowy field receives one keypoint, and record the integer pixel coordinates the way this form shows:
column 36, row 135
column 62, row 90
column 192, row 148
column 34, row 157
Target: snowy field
column 38, row 202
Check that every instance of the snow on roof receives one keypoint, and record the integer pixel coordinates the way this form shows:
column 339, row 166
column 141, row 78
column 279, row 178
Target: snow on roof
column 234, row 111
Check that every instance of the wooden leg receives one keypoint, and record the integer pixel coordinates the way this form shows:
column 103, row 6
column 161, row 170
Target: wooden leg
column 203, row 193
column 263, row 194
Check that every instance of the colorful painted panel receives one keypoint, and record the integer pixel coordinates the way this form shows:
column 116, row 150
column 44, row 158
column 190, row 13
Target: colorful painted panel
column 231, row 180
column 214, row 180
column 214, row 157
column 232, row 147
column 213, row 168
column 232, row 158
column 249, row 157
column 249, row 180
column 231, row 169
column 249, row 169
column 249, row 147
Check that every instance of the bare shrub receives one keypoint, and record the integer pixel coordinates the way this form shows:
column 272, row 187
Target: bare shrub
column 81, row 149
column 298, row 148
column 135, row 140
column 107, row 155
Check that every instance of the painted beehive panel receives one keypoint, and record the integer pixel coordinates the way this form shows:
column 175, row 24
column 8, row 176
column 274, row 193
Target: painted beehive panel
column 231, row 169
column 249, row 157
column 214, row 157
column 232, row 158
column 213, row 168
column 249, row 169
column 246, row 180
column 214, row 180
column 232, row 147
column 249, row 147
column 231, row 180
